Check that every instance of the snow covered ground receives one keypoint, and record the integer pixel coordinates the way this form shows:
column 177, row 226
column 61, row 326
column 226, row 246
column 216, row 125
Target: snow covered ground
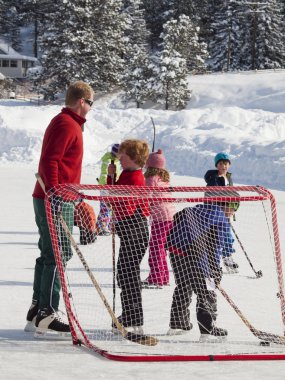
column 240, row 113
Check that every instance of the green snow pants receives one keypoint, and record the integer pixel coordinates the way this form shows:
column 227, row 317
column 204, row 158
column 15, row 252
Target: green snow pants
column 46, row 286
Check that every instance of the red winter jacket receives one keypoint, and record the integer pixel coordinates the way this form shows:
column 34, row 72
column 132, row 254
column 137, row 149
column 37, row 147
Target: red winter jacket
column 62, row 151
column 126, row 209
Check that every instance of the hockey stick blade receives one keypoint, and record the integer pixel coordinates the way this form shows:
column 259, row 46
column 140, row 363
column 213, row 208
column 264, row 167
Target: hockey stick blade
column 145, row 340
column 268, row 337
column 262, row 335
column 259, row 274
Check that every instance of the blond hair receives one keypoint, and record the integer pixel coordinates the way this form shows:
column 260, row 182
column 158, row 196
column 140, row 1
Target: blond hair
column 137, row 150
column 77, row 90
column 162, row 173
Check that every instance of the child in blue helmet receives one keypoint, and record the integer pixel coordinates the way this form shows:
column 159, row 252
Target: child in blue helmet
column 222, row 177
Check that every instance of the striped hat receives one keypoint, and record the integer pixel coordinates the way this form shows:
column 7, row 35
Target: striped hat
column 115, row 149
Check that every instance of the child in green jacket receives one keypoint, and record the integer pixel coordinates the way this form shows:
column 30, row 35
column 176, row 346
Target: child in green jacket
column 103, row 224
column 106, row 160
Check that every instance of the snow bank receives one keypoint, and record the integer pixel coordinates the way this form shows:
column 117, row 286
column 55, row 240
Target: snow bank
column 242, row 114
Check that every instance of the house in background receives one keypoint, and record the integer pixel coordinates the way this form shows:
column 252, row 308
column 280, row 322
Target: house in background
column 14, row 64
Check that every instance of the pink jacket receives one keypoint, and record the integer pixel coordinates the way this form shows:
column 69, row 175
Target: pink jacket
column 162, row 211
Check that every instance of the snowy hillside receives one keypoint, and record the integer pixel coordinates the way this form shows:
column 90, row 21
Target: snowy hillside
column 241, row 113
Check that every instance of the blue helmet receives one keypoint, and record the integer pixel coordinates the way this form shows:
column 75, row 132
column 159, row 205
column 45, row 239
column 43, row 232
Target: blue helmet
column 222, row 156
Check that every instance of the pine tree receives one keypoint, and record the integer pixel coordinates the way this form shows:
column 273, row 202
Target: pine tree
column 182, row 7
column 263, row 47
column 226, row 40
column 37, row 13
column 136, row 78
column 136, row 74
column 10, row 24
column 136, row 30
column 14, row 29
column 86, row 37
column 169, row 81
column 182, row 36
column 246, row 35
column 157, row 12
column 206, row 14
column 109, row 26
column 68, row 45
column 201, row 8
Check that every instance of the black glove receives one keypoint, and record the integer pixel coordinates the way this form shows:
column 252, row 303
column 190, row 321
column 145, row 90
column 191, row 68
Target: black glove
column 217, row 275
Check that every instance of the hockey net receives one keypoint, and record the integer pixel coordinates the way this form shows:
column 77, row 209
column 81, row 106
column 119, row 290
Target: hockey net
column 106, row 239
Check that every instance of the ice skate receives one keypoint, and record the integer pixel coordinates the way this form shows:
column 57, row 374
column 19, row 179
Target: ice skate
column 49, row 324
column 230, row 265
column 133, row 328
column 148, row 285
column 217, row 333
column 31, row 317
column 179, row 330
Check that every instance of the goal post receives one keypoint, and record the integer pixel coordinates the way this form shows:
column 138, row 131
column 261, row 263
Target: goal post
column 154, row 286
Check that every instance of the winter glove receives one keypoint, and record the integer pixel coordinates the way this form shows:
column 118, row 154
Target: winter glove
column 216, row 275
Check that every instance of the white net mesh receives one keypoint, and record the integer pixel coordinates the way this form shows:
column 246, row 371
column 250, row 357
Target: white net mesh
column 152, row 259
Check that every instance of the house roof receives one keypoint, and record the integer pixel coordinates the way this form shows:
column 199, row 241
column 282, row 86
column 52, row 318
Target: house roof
column 7, row 52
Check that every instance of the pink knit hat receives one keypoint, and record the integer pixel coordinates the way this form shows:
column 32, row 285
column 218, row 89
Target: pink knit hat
column 156, row 160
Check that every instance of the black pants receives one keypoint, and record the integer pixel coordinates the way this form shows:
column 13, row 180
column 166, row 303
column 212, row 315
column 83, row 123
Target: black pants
column 189, row 279
column 134, row 235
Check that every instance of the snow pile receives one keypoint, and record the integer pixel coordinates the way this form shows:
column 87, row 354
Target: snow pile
column 242, row 114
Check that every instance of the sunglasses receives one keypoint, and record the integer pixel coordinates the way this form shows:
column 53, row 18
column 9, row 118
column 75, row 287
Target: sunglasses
column 88, row 102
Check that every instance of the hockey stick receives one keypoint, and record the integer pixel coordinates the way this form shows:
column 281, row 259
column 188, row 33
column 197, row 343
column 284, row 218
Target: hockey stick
column 262, row 335
column 113, row 254
column 153, row 143
column 114, row 266
column 136, row 338
column 257, row 273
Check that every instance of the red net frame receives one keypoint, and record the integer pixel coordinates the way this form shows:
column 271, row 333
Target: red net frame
column 175, row 195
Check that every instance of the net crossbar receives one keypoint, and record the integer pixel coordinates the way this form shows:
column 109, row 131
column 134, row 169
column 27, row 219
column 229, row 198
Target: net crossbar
column 145, row 271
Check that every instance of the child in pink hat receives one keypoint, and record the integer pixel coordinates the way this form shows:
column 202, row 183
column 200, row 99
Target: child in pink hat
column 161, row 221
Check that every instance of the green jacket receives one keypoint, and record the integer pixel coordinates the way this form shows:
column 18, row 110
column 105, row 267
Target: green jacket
column 105, row 161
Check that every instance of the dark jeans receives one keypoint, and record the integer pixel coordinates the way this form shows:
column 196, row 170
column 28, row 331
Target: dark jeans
column 189, row 279
column 46, row 285
column 134, row 235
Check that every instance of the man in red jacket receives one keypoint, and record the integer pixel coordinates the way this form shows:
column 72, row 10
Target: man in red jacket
column 60, row 162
